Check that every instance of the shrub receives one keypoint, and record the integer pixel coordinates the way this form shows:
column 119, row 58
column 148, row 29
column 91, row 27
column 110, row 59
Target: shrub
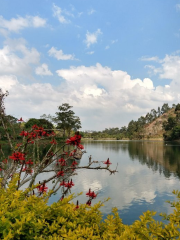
column 26, row 216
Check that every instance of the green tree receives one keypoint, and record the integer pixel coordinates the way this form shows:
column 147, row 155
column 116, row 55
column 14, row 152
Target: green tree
column 40, row 123
column 66, row 119
column 170, row 124
column 165, row 107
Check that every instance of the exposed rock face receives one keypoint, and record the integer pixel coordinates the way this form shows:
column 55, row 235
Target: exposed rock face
column 155, row 128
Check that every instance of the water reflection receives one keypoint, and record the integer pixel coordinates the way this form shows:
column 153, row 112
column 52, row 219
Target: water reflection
column 148, row 173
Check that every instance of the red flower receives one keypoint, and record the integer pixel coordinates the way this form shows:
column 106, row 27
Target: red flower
column 16, row 156
column 69, row 184
column 107, row 162
column 93, row 195
column 1, row 169
column 53, row 142
column 24, row 133
column 71, row 154
column 60, row 173
column 75, row 140
column 77, row 205
column 42, row 188
column 80, row 146
column 20, row 120
column 63, row 183
column 35, row 127
column 74, row 163
column 62, row 162
column 88, row 193
column 88, row 202
column 29, row 162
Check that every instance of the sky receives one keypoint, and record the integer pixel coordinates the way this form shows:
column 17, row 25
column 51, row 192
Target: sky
column 112, row 60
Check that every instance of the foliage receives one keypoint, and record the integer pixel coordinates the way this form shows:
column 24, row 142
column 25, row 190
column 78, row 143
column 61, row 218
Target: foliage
column 172, row 126
column 26, row 216
column 65, row 119
column 40, row 123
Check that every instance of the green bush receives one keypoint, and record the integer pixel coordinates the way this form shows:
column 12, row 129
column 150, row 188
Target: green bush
column 26, row 216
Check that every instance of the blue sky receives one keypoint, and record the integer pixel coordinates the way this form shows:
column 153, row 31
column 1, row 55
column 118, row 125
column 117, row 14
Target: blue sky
column 113, row 61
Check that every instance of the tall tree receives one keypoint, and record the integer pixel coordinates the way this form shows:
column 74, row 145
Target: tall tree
column 66, row 119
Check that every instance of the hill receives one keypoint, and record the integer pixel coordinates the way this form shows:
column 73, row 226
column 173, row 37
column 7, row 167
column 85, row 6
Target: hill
column 155, row 128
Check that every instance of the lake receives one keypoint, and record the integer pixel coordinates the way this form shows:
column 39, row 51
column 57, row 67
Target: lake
column 148, row 171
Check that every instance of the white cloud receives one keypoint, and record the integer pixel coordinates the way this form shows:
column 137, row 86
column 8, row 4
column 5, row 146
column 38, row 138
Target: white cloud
column 90, row 53
column 43, row 70
column 96, row 92
column 12, row 63
column 178, row 7
column 58, row 13
column 148, row 59
column 91, row 11
column 59, row 55
column 169, row 69
column 107, row 47
column 19, row 23
column 91, row 38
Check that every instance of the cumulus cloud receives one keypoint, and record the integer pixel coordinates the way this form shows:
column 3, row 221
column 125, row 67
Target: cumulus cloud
column 43, row 70
column 59, row 55
column 91, row 38
column 58, row 13
column 19, row 23
column 99, row 94
column 12, row 63
column 169, row 68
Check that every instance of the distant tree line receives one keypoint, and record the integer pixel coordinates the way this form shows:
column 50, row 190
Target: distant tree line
column 135, row 129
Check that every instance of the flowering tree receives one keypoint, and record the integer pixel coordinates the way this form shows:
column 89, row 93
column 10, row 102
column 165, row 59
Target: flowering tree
column 26, row 161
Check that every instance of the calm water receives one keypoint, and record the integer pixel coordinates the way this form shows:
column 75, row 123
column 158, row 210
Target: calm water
column 147, row 174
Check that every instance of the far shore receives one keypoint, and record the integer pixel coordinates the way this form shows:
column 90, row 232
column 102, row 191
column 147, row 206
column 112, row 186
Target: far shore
column 124, row 139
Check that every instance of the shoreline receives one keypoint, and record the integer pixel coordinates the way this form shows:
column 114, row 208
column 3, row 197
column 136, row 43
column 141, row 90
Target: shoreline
column 124, row 139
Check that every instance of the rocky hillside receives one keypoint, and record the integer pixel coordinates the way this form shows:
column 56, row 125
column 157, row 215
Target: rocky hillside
column 154, row 129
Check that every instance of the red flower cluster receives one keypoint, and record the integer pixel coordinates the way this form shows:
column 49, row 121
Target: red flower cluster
column 62, row 162
column 24, row 133
column 107, row 162
column 60, row 173
column 74, row 163
column 37, row 132
column 67, row 184
column 75, row 140
column 42, row 188
column 20, row 120
column 91, row 194
column 29, row 162
column 17, row 156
